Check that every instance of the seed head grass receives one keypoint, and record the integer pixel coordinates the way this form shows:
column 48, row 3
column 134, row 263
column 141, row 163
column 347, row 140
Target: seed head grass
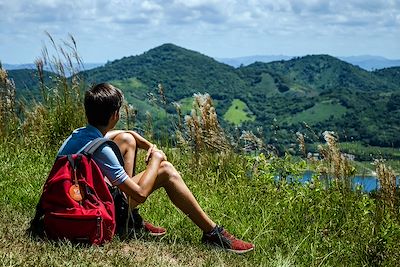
column 8, row 118
column 387, row 182
column 203, row 131
column 333, row 164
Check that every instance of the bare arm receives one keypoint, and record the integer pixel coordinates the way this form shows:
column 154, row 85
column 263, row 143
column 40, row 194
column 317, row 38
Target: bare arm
column 141, row 190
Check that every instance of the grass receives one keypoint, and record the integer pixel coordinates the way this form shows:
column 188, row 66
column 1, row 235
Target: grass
column 28, row 170
column 319, row 112
column 26, row 252
column 238, row 112
column 186, row 104
column 130, row 82
column 290, row 224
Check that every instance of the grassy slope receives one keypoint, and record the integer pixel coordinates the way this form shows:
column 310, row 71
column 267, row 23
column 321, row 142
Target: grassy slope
column 292, row 225
column 136, row 94
column 186, row 104
column 359, row 148
column 238, row 112
column 319, row 112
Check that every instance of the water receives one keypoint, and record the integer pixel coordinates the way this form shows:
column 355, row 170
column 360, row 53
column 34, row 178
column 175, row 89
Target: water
column 367, row 183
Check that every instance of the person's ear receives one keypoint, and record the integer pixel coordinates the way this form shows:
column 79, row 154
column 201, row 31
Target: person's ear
column 116, row 114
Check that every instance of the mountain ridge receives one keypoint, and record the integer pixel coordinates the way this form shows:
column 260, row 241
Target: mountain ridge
column 323, row 91
column 367, row 62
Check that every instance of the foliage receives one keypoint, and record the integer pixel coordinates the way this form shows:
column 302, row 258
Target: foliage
column 320, row 90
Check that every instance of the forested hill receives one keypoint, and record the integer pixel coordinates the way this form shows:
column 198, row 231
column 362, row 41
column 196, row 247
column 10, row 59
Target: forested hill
column 391, row 74
column 182, row 72
column 323, row 72
column 278, row 97
column 27, row 82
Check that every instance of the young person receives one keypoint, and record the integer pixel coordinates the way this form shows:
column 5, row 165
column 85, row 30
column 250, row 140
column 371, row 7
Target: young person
column 102, row 104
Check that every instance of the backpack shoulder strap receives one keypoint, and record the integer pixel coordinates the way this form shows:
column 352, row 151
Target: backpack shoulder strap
column 98, row 142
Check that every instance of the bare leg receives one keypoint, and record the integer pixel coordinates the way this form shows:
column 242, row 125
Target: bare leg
column 181, row 196
column 168, row 178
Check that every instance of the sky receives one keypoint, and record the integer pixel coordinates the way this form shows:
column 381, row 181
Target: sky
column 111, row 29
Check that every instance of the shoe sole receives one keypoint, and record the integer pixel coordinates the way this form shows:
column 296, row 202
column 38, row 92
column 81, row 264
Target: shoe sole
column 238, row 251
column 156, row 234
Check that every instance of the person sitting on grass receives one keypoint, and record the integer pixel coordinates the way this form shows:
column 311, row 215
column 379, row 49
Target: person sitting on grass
column 102, row 106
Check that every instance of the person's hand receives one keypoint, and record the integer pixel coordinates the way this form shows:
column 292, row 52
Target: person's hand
column 149, row 151
column 159, row 154
column 154, row 150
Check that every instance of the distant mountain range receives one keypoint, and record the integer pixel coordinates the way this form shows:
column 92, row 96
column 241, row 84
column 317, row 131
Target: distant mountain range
column 309, row 94
column 366, row 62
column 86, row 66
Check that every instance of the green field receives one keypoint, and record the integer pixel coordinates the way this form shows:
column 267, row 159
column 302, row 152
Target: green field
column 319, row 112
column 238, row 112
column 186, row 104
column 365, row 155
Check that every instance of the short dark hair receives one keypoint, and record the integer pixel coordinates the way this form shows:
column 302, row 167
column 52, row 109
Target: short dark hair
column 101, row 101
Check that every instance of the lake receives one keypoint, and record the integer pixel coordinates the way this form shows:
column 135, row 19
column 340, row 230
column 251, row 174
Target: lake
column 368, row 183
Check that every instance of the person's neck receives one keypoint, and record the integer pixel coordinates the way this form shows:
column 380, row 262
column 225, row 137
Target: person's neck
column 103, row 129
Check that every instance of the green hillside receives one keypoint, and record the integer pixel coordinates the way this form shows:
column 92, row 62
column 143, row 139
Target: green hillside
column 181, row 72
column 238, row 112
column 321, row 111
column 323, row 72
column 391, row 74
column 278, row 97
column 27, row 82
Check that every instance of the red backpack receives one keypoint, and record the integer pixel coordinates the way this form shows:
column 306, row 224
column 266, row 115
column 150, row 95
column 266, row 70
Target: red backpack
column 76, row 203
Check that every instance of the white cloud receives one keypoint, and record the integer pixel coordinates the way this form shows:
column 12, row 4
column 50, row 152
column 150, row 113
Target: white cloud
column 217, row 23
column 200, row 11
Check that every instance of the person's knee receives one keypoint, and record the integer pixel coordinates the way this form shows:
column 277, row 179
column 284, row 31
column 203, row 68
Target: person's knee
column 126, row 140
column 169, row 170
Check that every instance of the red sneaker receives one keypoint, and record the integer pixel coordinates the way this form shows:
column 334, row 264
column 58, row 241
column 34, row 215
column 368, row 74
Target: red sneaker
column 221, row 238
column 153, row 230
column 140, row 225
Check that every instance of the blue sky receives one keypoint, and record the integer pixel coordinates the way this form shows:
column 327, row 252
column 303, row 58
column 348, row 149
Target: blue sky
column 110, row 29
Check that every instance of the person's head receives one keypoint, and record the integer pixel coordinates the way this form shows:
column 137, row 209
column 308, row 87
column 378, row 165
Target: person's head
column 102, row 101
